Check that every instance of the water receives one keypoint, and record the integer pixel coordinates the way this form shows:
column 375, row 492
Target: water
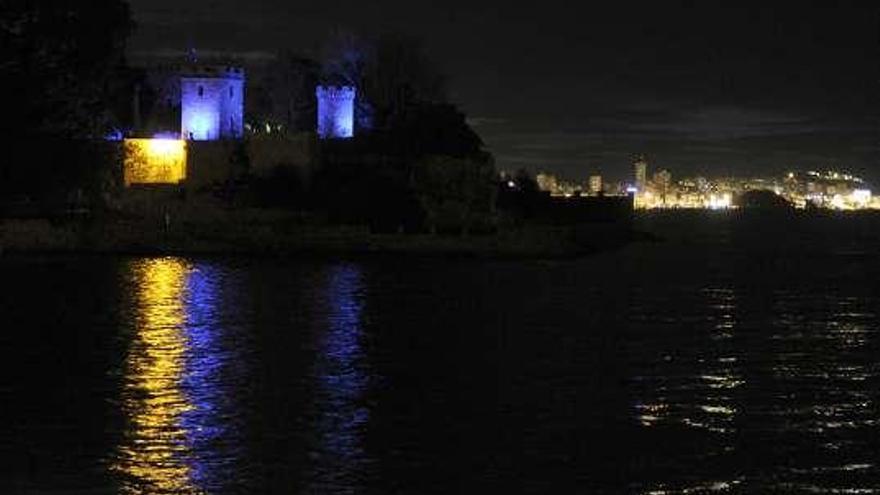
column 738, row 357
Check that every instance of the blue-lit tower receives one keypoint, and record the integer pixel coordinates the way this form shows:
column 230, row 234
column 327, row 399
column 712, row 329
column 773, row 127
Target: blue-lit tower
column 212, row 103
column 335, row 111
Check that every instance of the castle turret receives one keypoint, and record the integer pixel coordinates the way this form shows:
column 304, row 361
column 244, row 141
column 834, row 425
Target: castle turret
column 212, row 103
column 335, row 111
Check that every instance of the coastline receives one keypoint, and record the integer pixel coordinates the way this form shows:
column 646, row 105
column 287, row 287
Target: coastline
column 280, row 235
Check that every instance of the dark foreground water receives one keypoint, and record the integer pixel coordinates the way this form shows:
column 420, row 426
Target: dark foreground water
column 740, row 356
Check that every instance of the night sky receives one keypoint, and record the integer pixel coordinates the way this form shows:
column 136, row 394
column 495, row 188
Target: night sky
column 575, row 88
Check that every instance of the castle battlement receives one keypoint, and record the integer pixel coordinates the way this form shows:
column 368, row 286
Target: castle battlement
column 335, row 92
column 212, row 71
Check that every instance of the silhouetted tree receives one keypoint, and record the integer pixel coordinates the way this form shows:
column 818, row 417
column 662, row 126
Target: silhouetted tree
column 525, row 182
column 421, row 164
column 456, row 194
column 391, row 72
column 59, row 66
column 762, row 199
column 57, row 62
column 284, row 94
column 520, row 196
column 399, row 75
column 434, row 129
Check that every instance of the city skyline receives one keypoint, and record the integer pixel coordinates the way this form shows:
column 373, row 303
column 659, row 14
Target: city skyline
column 742, row 90
column 661, row 188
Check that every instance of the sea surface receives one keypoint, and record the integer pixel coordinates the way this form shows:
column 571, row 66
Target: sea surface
column 737, row 355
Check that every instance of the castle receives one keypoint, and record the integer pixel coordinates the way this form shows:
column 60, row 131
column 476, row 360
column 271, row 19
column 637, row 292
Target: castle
column 335, row 111
column 212, row 103
column 212, row 99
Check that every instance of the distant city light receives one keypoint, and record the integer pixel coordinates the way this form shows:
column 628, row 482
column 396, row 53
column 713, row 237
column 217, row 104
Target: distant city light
column 861, row 196
column 719, row 202
column 829, row 189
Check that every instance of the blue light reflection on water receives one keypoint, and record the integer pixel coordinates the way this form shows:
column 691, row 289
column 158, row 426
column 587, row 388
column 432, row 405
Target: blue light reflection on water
column 341, row 375
column 764, row 382
column 210, row 372
column 177, row 386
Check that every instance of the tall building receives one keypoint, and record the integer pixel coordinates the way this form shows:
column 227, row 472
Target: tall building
column 663, row 183
column 211, row 103
column 546, row 182
column 595, row 184
column 335, row 111
column 640, row 167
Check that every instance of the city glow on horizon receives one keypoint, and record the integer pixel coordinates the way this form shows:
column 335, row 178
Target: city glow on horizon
column 720, row 202
column 832, row 189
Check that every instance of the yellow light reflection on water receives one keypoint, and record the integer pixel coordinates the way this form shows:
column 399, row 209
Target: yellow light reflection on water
column 151, row 457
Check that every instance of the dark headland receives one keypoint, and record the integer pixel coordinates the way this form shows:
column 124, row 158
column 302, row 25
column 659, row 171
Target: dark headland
column 295, row 155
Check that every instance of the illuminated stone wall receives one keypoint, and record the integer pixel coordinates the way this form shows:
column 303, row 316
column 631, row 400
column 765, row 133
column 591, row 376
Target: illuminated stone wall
column 200, row 164
column 335, row 111
column 212, row 104
column 154, row 161
column 208, row 162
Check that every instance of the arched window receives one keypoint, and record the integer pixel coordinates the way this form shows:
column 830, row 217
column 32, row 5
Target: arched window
column 201, row 91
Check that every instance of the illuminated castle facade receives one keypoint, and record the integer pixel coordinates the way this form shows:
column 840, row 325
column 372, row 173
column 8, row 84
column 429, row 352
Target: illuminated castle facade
column 212, row 103
column 335, row 111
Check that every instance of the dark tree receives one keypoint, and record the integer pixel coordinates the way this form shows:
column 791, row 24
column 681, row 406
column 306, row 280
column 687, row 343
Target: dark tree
column 283, row 93
column 415, row 164
column 392, row 73
column 434, row 129
column 399, row 75
column 524, row 181
column 456, row 194
column 763, row 200
column 519, row 196
column 58, row 60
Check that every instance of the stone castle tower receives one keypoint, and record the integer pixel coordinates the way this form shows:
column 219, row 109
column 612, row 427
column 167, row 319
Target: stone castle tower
column 335, row 111
column 212, row 103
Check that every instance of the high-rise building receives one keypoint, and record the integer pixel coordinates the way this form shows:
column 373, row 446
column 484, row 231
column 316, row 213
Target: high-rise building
column 662, row 183
column 547, row 182
column 640, row 166
column 595, row 184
